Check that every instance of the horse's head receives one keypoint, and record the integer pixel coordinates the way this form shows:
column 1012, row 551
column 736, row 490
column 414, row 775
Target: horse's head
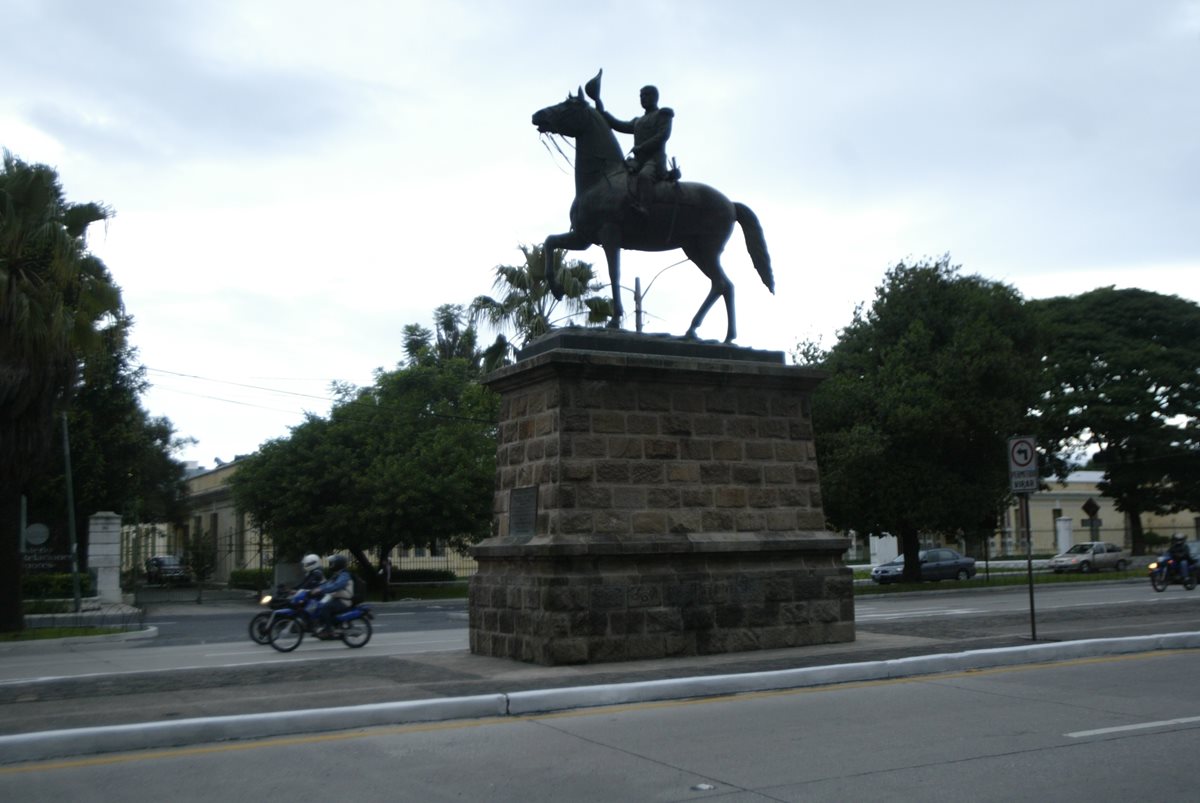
column 569, row 118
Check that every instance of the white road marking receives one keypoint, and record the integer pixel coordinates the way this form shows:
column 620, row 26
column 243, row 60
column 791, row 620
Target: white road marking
column 863, row 616
column 1163, row 723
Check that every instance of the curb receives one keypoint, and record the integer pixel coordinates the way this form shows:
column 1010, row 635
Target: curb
column 57, row 744
column 52, row 644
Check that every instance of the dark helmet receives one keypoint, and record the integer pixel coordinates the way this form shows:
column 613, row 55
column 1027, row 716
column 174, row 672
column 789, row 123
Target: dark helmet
column 337, row 563
column 1179, row 538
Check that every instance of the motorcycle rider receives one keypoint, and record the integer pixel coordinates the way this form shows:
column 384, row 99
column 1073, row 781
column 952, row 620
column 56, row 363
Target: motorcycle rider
column 337, row 592
column 313, row 576
column 1179, row 553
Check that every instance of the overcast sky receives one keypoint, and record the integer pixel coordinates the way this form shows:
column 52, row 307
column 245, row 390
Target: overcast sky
column 293, row 182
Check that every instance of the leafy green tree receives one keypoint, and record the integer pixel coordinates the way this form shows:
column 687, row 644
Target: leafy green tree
column 924, row 387
column 1121, row 380
column 121, row 457
column 201, row 552
column 525, row 306
column 409, row 460
column 54, row 299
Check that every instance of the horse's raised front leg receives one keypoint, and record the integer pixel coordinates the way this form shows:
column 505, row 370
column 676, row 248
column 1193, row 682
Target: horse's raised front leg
column 569, row 241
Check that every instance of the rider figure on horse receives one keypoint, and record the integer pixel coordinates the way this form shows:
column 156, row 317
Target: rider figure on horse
column 648, row 159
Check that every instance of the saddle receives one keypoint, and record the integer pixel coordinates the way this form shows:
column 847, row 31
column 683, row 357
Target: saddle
column 672, row 173
column 670, row 176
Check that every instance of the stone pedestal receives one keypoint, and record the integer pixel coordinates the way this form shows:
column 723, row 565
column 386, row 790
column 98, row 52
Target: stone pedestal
column 104, row 555
column 654, row 498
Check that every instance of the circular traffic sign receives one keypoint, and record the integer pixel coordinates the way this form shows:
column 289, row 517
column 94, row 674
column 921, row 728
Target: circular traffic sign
column 1022, row 453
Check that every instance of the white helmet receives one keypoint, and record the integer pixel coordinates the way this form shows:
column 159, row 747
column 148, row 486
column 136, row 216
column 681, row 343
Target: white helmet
column 310, row 562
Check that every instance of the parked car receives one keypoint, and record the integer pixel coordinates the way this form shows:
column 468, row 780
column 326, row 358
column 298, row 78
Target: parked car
column 936, row 564
column 1090, row 556
column 166, row 569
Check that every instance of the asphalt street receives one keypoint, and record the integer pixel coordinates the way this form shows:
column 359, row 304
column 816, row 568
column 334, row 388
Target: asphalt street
column 404, row 674
column 1094, row 729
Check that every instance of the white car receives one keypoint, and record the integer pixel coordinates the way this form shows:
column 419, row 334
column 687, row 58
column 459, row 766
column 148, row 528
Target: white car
column 1090, row 556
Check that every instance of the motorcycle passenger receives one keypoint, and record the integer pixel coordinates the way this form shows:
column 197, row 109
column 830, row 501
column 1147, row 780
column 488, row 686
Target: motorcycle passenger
column 337, row 593
column 1179, row 553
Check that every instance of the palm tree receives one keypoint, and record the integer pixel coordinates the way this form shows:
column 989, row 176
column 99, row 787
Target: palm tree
column 53, row 297
column 454, row 337
column 528, row 309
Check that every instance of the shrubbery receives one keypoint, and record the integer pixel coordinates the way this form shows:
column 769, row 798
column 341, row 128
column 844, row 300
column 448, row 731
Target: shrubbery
column 423, row 576
column 251, row 579
column 55, row 586
column 254, row 579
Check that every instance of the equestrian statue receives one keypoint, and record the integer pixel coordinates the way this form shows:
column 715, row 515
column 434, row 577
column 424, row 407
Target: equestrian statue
column 640, row 204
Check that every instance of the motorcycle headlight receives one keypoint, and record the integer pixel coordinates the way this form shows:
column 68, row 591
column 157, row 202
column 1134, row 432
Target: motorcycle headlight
column 1153, row 565
column 266, row 600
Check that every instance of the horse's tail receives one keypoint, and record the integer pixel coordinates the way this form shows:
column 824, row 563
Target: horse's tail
column 756, row 244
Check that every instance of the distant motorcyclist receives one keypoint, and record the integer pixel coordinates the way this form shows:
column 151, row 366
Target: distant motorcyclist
column 335, row 595
column 1178, row 552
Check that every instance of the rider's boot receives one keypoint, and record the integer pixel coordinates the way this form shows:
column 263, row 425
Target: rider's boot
column 644, row 198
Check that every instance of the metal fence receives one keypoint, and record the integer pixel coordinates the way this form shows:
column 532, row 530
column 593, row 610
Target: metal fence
column 462, row 564
column 1008, row 545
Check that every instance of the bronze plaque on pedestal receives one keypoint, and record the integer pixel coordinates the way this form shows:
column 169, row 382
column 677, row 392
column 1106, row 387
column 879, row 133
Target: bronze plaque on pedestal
column 522, row 512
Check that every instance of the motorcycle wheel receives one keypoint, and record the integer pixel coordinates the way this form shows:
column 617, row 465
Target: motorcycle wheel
column 1159, row 581
column 258, row 628
column 286, row 635
column 356, row 632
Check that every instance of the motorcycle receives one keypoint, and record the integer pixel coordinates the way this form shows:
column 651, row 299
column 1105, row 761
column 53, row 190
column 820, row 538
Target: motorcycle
column 259, row 625
column 1165, row 571
column 288, row 626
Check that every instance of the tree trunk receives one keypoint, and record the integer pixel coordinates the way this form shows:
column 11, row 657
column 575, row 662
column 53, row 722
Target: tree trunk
column 910, row 548
column 11, row 568
column 1137, row 538
column 367, row 571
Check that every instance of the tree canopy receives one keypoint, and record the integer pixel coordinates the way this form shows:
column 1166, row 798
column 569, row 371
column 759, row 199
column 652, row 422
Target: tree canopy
column 121, row 456
column 1122, row 379
column 526, row 307
column 454, row 337
column 55, row 298
column 409, row 460
column 924, row 387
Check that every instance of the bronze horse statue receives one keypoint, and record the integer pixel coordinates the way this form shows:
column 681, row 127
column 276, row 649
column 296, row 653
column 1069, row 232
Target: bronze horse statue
column 684, row 214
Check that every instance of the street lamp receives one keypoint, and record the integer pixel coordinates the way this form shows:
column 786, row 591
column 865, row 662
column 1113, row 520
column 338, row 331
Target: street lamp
column 639, row 295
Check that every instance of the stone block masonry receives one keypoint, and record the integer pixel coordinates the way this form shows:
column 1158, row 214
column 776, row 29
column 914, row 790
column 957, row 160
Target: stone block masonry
column 678, row 508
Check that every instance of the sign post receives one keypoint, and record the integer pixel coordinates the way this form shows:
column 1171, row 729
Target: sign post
column 1023, row 479
column 1091, row 522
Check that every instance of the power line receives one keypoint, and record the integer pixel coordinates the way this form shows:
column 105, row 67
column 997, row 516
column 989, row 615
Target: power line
column 228, row 401
column 239, row 384
column 351, row 403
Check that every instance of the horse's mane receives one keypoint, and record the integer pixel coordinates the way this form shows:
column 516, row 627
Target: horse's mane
column 616, row 155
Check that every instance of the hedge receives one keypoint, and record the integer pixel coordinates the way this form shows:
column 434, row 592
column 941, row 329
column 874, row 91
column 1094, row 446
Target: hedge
column 252, row 579
column 54, row 586
column 423, row 576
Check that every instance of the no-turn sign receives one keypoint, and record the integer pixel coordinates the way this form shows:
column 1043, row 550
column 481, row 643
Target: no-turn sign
column 1022, row 464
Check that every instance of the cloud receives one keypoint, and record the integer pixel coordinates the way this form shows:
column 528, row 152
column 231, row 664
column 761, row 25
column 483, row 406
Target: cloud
column 295, row 181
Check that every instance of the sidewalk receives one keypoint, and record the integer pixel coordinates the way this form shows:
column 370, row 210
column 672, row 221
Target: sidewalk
column 70, row 699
